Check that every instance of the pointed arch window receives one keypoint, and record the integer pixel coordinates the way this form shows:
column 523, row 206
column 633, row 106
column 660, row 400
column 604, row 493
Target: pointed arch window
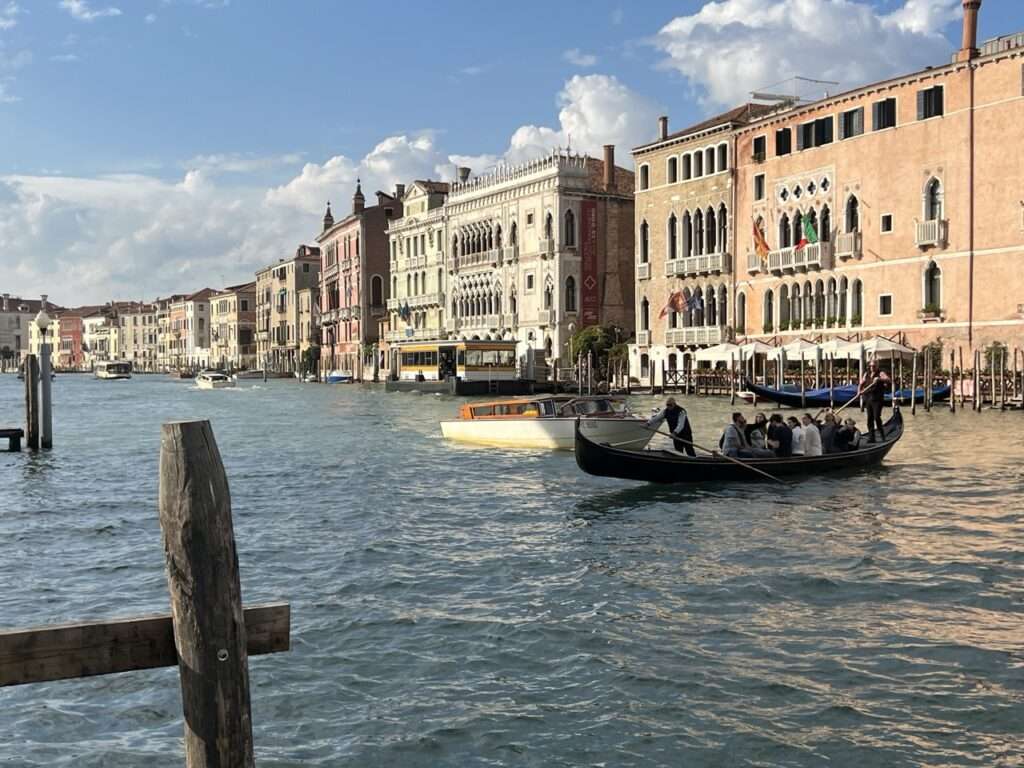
column 645, row 315
column 852, row 214
column 769, row 311
column 645, row 242
column 784, row 232
column 741, row 313
column 932, row 287
column 570, row 228
column 497, row 236
column 798, row 227
column 673, row 170
column 548, row 296
column 933, row 200
column 570, row 294
column 549, row 226
column 513, row 235
column 710, row 232
column 377, row 290
column 698, row 233
column 857, row 303
column 825, row 233
column 784, row 307
column 687, row 233
column 672, row 235
column 723, row 228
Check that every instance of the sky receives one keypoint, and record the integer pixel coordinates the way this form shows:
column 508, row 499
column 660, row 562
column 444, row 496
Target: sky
column 158, row 146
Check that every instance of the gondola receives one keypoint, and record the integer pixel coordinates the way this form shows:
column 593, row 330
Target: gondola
column 819, row 398
column 669, row 467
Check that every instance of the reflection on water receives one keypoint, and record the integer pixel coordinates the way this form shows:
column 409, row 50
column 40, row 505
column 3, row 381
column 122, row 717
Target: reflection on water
column 458, row 606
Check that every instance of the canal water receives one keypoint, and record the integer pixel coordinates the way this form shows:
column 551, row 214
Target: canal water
column 462, row 607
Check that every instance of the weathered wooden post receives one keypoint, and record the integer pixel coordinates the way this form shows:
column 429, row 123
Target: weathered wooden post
column 952, row 381
column 206, row 598
column 32, row 402
column 960, row 351
column 913, row 386
column 803, row 389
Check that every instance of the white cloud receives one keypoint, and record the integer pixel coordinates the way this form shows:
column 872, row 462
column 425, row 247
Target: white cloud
column 617, row 16
column 731, row 47
column 79, row 9
column 578, row 58
column 6, row 97
column 136, row 235
column 8, row 15
column 65, row 58
column 472, row 70
column 150, row 18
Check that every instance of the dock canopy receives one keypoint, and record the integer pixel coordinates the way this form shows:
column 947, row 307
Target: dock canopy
column 794, row 350
column 882, row 347
column 756, row 348
column 720, row 353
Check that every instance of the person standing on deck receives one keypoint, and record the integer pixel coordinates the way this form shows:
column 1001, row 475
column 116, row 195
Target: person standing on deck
column 873, row 387
column 678, row 425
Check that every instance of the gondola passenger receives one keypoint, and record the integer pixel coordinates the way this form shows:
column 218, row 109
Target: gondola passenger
column 828, row 433
column 757, row 433
column 798, row 435
column 812, row 437
column 780, row 436
column 848, row 436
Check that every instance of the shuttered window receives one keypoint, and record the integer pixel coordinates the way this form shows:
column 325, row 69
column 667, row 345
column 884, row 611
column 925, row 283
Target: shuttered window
column 851, row 123
column 815, row 133
column 929, row 102
column 883, row 114
column 783, row 142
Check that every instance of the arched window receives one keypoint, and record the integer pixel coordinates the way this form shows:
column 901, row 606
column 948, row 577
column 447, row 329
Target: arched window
column 784, row 307
column 723, row 305
column 687, row 234
column 570, row 294
column 933, row 200
column 741, row 313
column 819, row 302
column 513, row 235
column 852, row 214
column 857, row 303
column 933, row 287
column 547, row 347
column 784, row 232
column 796, row 307
column 830, row 302
column 394, row 286
column 687, row 167
column 808, row 302
column 710, row 307
column 376, row 290
column 497, row 300
column 698, row 164
column 671, row 238
column 416, row 284
column 825, row 234
column 769, row 311
column 672, row 170
column 548, row 296
column 408, row 285
column 645, row 176
column 645, row 366
column 645, row 315
column 723, row 228
column 513, row 303
column 709, row 160
column 570, row 228
column 798, row 227
column 672, row 364
column 698, row 233
column 497, row 236
column 723, row 157
column 673, row 319
column 710, row 232
column 841, row 308
column 455, row 245
column 455, row 307
column 687, row 308
column 645, row 242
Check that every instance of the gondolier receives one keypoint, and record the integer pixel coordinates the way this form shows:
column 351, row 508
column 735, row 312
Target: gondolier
column 873, row 387
column 678, row 425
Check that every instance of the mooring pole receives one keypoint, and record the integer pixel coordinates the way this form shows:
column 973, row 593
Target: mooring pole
column 206, row 598
column 32, row 402
column 46, row 401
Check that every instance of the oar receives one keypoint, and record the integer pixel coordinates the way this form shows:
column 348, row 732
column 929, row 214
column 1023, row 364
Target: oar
column 707, row 450
column 841, row 408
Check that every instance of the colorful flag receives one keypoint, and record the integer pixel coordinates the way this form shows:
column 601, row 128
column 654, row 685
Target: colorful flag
column 696, row 302
column 809, row 235
column 676, row 303
column 760, row 244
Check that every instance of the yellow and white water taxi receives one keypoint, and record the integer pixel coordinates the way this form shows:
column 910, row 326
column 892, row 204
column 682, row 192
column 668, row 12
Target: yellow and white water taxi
column 548, row 421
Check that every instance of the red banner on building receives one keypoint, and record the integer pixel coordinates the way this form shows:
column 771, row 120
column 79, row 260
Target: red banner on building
column 590, row 299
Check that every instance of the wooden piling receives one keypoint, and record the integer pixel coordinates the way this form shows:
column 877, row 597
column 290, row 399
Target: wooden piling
column 976, row 374
column 961, row 366
column 206, row 598
column 952, row 381
column 913, row 386
column 32, row 402
column 803, row 389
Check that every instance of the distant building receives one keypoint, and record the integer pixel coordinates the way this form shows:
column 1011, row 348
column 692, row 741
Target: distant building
column 354, row 284
column 277, row 308
column 233, row 327
column 16, row 316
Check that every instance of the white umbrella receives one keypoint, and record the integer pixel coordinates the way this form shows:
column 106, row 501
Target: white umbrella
column 796, row 349
column 880, row 347
column 720, row 353
column 757, row 348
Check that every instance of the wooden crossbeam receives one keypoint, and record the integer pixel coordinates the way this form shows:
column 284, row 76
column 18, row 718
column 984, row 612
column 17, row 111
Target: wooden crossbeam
column 103, row 647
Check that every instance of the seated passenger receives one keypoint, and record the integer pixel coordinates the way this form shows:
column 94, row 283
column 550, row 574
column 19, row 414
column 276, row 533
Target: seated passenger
column 798, row 435
column 848, row 436
column 757, row 433
column 812, row 437
column 780, row 436
column 828, row 433
column 734, row 440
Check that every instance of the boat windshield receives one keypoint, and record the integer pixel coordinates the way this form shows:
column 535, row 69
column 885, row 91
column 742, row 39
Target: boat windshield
column 117, row 367
column 593, row 407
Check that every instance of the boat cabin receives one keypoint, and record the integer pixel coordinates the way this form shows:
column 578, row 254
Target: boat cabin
column 554, row 406
column 466, row 360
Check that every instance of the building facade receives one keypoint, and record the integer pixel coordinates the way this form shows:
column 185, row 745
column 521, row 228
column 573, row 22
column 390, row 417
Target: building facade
column 417, row 258
column 16, row 316
column 354, row 283
column 277, row 308
column 538, row 251
column 233, row 327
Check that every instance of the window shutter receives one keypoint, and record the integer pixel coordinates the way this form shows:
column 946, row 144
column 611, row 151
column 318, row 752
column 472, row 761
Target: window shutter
column 800, row 137
column 858, row 122
column 842, row 126
column 937, row 100
column 921, row 104
column 876, row 110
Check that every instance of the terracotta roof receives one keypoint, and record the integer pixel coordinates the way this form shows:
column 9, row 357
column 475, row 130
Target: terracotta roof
column 200, row 295
column 740, row 115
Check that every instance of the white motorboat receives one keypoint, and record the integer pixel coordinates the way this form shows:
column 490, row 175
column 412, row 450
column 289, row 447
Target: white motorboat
column 548, row 422
column 213, row 380
column 113, row 369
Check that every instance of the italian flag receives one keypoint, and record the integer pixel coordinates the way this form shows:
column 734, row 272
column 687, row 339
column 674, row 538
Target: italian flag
column 809, row 235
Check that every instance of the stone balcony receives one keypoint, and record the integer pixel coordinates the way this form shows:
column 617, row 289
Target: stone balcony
column 491, row 258
column 706, row 264
column 547, row 317
column 414, row 334
column 510, row 254
column 696, row 335
column 483, row 323
column 509, row 320
column 754, row 264
column 643, row 271
column 643, row 338
column 547, row 247
column 931, row 233
column 790, row 260
column 414, row 302
column 848, row 245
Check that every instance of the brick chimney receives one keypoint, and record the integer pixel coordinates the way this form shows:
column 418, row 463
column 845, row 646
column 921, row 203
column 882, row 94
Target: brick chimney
column 609, row 167
column 969, row 46
column 662, row 127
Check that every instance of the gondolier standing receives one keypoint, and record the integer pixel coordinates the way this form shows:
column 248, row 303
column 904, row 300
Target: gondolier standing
column 678, row 425
column 873, row 387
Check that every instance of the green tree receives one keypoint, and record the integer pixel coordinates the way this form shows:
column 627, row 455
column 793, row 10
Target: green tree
column 604, row 343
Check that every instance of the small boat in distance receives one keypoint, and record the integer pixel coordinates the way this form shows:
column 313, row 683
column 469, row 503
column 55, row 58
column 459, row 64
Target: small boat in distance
column 242, row 375
column 547, row 421
column 113, row 369
column 339, row 377
column 213, row 380
column 607, row 460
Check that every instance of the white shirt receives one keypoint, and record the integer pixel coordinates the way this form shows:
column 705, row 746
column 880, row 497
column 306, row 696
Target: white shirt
column 811, row 440
column 798, row 441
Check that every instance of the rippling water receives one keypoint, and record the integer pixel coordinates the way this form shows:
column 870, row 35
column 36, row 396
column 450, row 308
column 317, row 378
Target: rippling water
column 457, row 607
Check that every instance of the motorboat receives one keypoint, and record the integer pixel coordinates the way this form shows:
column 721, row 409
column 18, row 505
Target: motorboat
column 548, row 422
column 606, row 459
column 113, row 369
column 339, row 377
column 213, row 380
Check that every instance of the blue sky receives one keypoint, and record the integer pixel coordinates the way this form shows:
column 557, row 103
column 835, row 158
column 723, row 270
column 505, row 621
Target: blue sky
column 149, row 146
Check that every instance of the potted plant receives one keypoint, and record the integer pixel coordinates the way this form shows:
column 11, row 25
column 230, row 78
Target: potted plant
column 855, row 319
column 768, row 327
column 931, row 311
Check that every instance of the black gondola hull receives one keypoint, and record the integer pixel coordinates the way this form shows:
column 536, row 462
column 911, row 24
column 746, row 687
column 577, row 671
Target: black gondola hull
column 819, row 398
column 668, row 467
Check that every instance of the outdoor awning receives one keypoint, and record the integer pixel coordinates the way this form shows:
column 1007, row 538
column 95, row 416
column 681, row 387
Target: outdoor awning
column 756, row 348
column 720, row 353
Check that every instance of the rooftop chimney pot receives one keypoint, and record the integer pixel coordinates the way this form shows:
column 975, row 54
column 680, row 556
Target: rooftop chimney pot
column 969, row 45
column 662, row 127
column 609, row 167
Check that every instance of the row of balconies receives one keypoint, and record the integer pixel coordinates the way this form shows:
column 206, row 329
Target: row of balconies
column 496, row 321
column 414, row 334
column 493, row 257
column 707, row 264
column 692, row 335
column 342, row 313
column 426, row 300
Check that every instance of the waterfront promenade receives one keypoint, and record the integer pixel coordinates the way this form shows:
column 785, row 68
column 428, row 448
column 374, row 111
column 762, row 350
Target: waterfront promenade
column 454, row 606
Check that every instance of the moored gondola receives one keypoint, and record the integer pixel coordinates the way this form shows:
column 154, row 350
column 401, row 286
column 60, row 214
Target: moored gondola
column 820, row 398
column 660, row 466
